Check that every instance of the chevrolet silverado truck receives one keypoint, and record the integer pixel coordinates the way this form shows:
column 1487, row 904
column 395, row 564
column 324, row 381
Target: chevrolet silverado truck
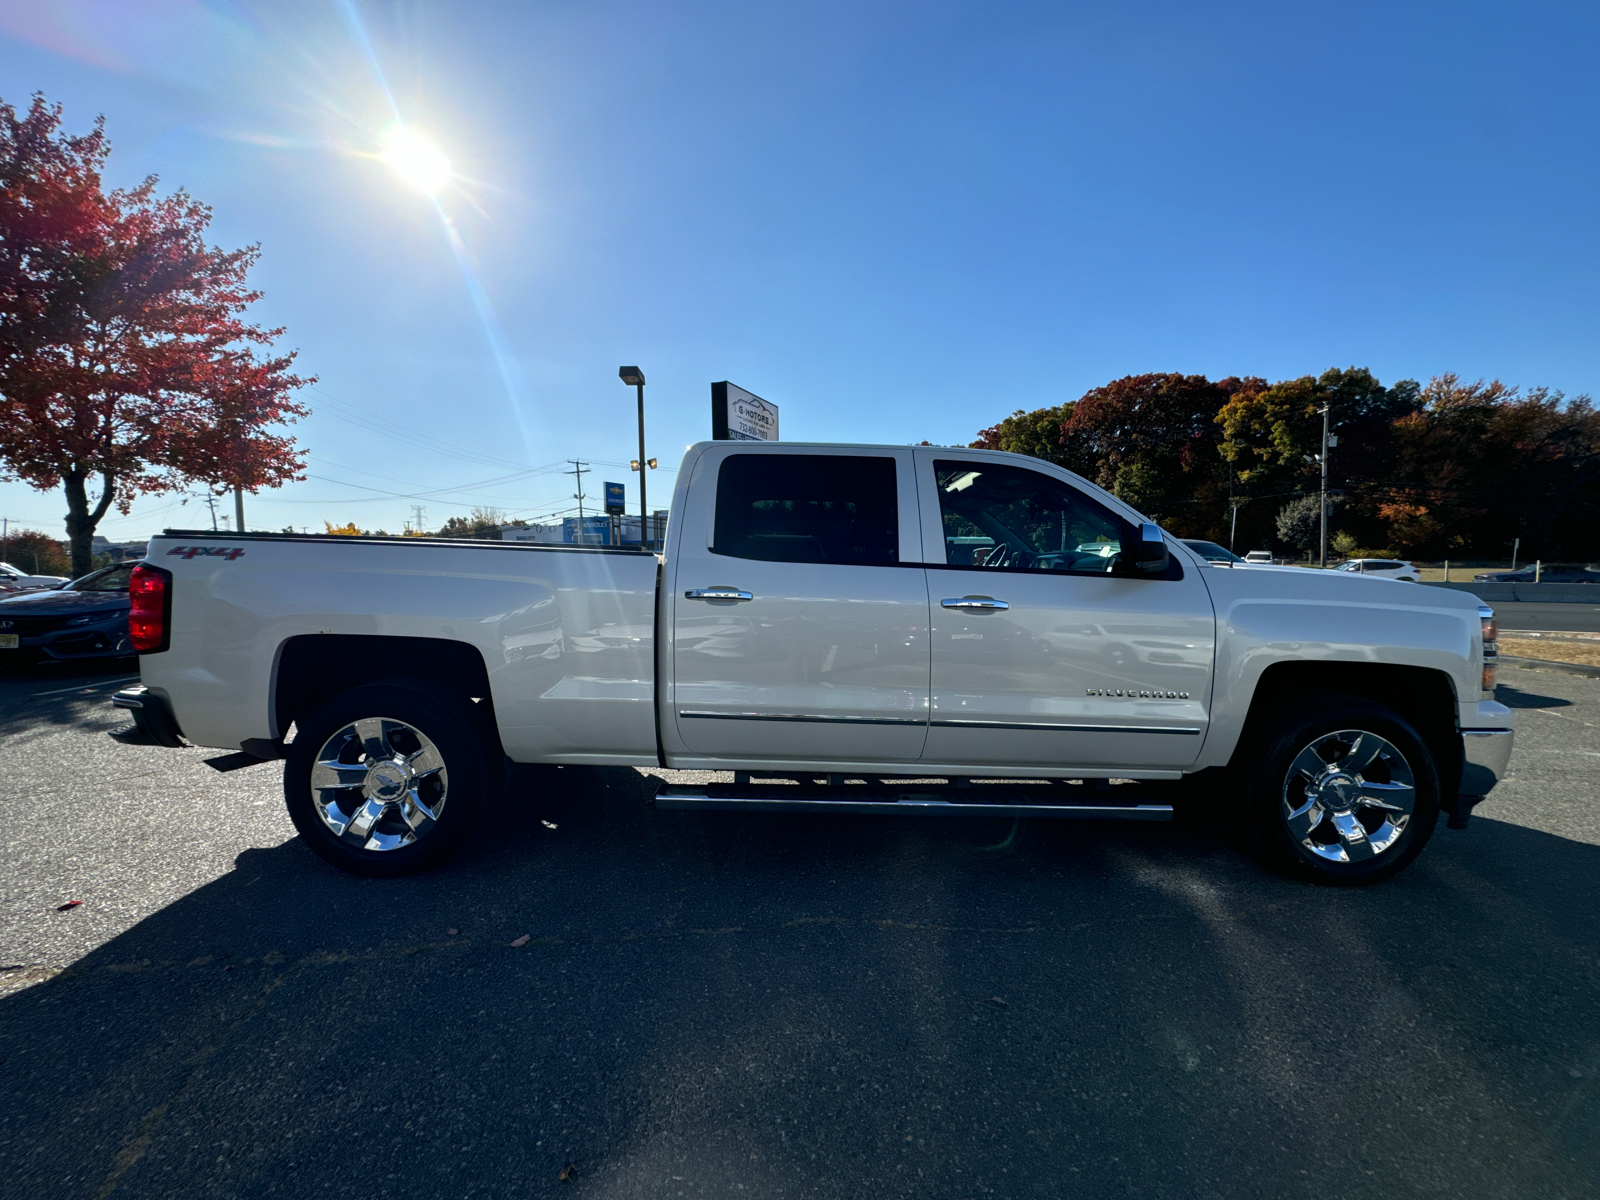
column 846, row 629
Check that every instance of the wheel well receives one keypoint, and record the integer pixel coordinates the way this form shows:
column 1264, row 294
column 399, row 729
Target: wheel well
column 314, row 668
column 1424, row 697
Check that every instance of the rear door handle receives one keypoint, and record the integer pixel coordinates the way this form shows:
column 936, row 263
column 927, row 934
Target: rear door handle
column 983, row 603
column 717, row 593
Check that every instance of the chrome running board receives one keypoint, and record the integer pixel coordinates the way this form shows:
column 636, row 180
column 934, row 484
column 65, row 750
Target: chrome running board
column 977, row 800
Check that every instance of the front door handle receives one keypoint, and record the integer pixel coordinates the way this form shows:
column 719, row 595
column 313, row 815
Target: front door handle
column 717, row 593
column 982, row 603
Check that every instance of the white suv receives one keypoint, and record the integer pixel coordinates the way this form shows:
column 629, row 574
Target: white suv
column 1383, row 568
column 1259, row 556
column 14, row 577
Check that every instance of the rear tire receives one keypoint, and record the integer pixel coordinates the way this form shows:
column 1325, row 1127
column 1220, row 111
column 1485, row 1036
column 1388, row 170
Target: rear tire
column 386, row 779
column 1339, row 791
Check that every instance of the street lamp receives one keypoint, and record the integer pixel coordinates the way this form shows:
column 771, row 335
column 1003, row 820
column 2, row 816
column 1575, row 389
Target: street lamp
column 634, row 377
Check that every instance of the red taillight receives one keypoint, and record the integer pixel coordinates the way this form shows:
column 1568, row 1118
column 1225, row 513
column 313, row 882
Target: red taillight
column 150, row 595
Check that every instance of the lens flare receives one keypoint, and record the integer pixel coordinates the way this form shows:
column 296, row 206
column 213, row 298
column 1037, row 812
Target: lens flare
column 416, row 160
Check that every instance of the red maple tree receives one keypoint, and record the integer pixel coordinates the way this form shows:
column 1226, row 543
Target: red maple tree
column 125, row 357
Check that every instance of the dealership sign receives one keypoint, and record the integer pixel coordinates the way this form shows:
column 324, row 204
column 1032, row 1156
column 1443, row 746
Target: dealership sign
column 741, row 416
column 615, row 500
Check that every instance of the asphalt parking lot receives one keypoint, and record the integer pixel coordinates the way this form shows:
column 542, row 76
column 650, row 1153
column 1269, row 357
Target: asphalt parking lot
column 1556, row 618
column 715, row 1004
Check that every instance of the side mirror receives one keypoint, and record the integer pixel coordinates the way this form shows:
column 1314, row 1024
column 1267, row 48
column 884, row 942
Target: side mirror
column 1150, row 554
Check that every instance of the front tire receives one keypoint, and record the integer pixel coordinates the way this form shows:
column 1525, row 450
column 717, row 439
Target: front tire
column 1340, row 791
column 386, row 779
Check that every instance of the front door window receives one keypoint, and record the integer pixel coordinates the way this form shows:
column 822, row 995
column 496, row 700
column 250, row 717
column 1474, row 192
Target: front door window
column 1010, row 518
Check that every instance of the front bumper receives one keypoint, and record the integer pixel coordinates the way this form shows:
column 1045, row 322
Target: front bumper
column 1485, row 751
column 104, row 638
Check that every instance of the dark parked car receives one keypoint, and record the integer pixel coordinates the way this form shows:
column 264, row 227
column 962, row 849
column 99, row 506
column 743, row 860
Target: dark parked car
column 87, row 618
column 1554, row 573
column 1212, row 552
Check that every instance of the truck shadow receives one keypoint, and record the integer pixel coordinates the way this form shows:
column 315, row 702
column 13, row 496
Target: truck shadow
column 1513, row 697
column 825, row 1006
column 58, row 695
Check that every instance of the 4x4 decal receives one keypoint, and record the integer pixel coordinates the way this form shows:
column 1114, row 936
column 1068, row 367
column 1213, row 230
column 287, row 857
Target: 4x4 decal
column 226, row 552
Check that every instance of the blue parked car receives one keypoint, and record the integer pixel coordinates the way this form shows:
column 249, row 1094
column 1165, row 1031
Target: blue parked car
column 87, row 618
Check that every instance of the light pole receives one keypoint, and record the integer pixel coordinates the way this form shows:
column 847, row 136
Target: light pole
column 634, row 377
column 1324, row 457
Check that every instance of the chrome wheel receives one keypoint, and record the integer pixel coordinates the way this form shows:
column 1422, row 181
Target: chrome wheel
column 1348, row 796
column 379, row 784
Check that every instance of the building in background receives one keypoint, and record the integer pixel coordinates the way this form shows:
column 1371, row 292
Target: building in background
column 621, row 530
column 117, row 551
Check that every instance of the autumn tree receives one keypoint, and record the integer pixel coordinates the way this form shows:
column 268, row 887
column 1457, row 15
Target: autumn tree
column 1036, row 433
column 34, row 552
column 126, row 363
column 1481, row 464
column 1153, row 441
column 1271, row 438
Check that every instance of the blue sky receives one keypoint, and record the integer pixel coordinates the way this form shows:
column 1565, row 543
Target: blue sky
column 896, row 221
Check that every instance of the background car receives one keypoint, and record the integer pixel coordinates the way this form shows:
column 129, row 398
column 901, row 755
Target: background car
column 1259, row 556
column 1212, row 552
column 1382, row 568
column 1553, row 573
column 14, row 577
column 85, row 618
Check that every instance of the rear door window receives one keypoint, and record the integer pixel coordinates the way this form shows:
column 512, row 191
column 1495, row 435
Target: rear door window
column 808, row 508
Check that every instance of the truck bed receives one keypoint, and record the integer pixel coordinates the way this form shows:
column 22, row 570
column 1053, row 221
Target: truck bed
column 566, row 634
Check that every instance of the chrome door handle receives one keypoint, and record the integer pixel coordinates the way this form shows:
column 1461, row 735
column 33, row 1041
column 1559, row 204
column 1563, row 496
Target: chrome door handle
column 979, row 602
column 717, row 594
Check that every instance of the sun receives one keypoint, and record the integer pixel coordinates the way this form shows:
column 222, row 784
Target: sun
column 416, row 159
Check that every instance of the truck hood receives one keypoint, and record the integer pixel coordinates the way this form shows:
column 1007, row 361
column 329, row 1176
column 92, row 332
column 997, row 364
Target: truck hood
column 1260, row 581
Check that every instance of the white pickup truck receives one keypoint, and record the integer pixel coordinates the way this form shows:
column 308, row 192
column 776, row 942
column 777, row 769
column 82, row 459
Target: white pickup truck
column 837, row 626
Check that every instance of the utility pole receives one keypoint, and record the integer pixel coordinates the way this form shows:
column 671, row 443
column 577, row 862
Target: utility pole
column 238, row 508
column 579, row 471
column 1324, row 458
column 1233, row 519
column 211, row 503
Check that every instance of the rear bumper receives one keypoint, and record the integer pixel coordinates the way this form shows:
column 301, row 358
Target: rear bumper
column 151, row 714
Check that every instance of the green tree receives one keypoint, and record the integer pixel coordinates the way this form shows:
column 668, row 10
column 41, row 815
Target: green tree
column 483, row 525
column 1299, row 522
column 1272, row 436
column 1036, row 433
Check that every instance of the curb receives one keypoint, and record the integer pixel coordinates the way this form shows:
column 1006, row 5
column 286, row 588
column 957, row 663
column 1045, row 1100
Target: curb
column 1544, row 664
